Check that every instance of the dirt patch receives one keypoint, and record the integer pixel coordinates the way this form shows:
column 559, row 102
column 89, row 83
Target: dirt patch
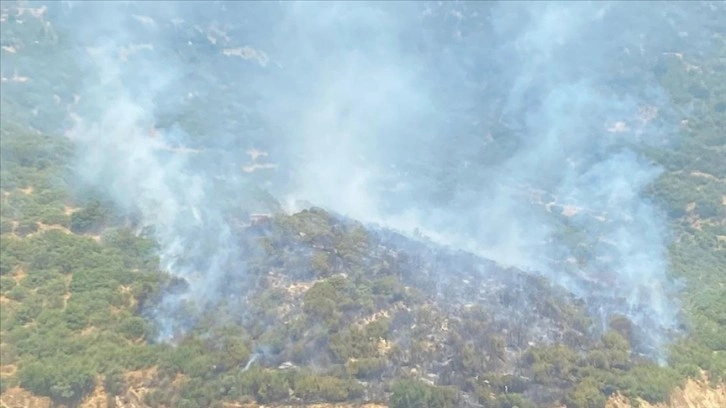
column 89, row 331
column 381, row 314
column 139, row 383
column 691, row 217
column 179, row 380
column 254, row 167
column 14, row 227
column 255, row 154
column 383, row 346
column 33, row 12
column 723, row 200
column 129, row 298
column 15, row 78
column 647, row 114
column 19, row 274
column 297, row 289
column 7, row 370
column 66, row 298
column 248, row 53
column 125, row 52
column 237, row 405
column 140, row 378
column 618, row 127
column 47, row 227
column 97, row 399
column 180, row 149
column 17, row 397
column 704, row 175
column 43, row 228
column 27, row 190
column 570, row 211
column 689, row 67
column 695, row 394
column 214, row 34
column 145, row 20
column 68, row 210
column 9, row 48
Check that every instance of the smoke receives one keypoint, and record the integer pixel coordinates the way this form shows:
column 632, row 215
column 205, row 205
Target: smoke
column 386, row 141
column 140, row 168
column 507, row 129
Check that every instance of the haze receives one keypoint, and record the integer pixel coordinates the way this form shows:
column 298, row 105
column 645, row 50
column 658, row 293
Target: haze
column 487, row 127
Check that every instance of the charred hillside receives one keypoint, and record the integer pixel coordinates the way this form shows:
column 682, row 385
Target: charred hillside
column 337, row 299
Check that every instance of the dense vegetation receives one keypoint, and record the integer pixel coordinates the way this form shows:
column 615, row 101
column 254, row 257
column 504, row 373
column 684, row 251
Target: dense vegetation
column 694, row 190
column 339, row 312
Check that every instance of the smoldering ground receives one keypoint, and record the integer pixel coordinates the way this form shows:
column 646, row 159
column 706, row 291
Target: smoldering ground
column 496, row 128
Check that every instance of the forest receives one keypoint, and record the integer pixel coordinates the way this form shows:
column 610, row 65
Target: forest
column 334, row 310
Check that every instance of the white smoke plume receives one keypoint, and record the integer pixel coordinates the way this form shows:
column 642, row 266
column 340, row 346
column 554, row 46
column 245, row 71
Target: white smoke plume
column 490, row 127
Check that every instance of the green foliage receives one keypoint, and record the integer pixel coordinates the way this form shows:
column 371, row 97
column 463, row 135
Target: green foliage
column 358, row 343
column 114, row 382
column 133, row 328
column 416, row 394
column 366, row 368
column 325, row 388
column 266, row 386
column 686, row 353
column 585, row 394
column 7, row 284
column 510, row 400
column 551, row 364
column 60, row 378
column 190, row 358
column 72, row 306
column 322, row 302
column 591, row 378
column 90, row 219
column 649, row 382
column 69, row 283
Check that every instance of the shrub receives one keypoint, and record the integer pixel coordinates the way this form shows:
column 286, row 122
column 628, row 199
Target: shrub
column 414, row 393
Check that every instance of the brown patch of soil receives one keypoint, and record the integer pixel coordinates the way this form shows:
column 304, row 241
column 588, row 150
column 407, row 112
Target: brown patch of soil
column 17, row 397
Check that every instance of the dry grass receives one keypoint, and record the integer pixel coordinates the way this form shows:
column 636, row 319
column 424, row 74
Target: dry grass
column 695, row 394
column 17, row 397
column 7, row 370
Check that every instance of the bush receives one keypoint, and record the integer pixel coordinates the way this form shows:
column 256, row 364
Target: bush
column 321, row 302
column 114, row 383
column 416, row 394
column 90, row 219
column 651, row 382
column 133, row 328
column 325, row 388
column 60, row 379
column 586, row 394
column 366, row 367
column 266, row 386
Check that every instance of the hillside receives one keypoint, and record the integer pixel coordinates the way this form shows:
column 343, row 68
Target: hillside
column 153, row 252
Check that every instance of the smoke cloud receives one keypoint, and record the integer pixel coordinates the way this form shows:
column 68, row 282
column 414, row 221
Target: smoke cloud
column 497, row 128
